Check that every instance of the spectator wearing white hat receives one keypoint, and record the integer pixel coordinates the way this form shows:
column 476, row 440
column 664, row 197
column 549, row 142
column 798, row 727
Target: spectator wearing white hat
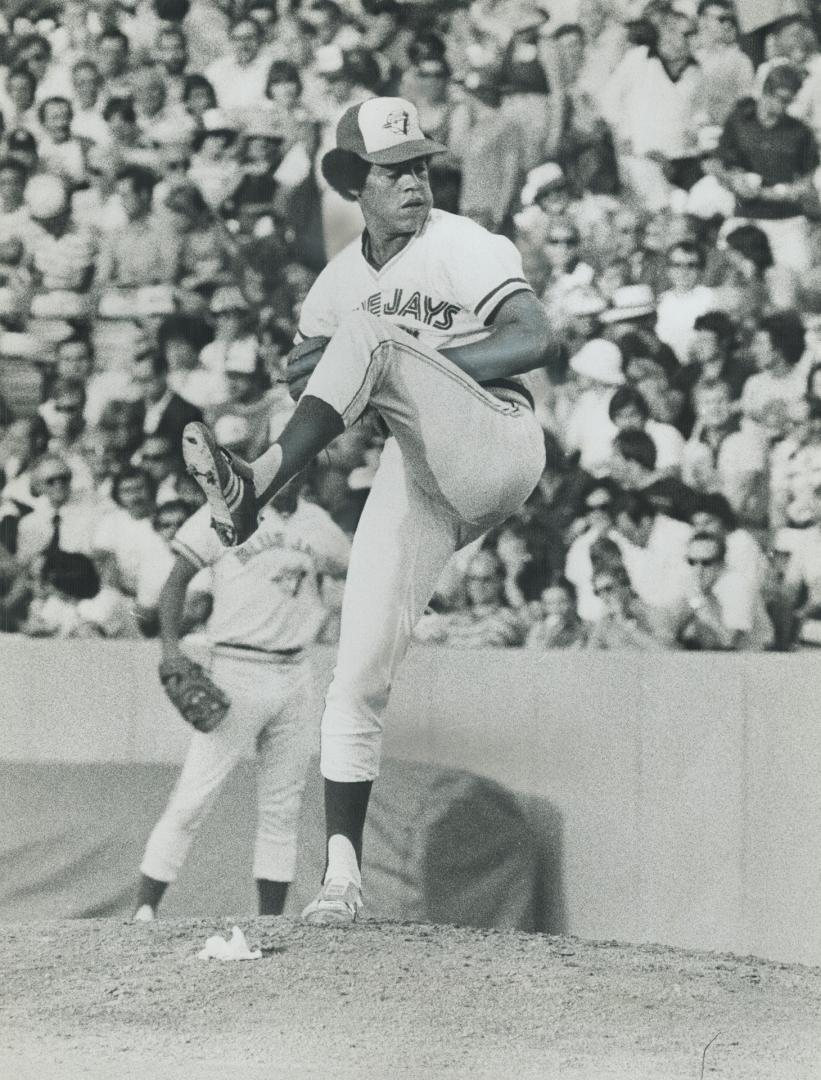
column 61, row 252
column 597, row 367
column 633, row 310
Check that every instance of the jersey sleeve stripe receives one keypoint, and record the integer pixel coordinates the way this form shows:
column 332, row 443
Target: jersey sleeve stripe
column 519, row 281
column 179, row 548
column 495, row 309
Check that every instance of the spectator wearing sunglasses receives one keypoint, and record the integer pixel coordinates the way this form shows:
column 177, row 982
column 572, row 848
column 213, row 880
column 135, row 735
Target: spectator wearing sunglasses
column 60, row 518
column 596, row 519
column 721, row 609
column 686, row 298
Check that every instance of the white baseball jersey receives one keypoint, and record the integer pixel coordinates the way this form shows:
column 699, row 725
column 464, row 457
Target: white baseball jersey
column 444, row 287
column 266, row 591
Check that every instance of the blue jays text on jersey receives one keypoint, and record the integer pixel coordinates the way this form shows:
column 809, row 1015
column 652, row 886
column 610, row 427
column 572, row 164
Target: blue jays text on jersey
column 413, row 304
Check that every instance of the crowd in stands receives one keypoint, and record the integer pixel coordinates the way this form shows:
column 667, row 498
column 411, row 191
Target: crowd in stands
column 163, row 214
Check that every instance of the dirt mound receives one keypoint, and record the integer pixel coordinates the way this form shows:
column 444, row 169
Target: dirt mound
column 103, row 999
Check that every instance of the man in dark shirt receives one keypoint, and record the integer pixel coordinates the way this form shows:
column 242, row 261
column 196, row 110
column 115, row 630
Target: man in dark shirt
column 767, row 160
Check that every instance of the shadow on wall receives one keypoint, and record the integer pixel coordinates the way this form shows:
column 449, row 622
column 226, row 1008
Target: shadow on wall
column 446, row 846
column 441, row 845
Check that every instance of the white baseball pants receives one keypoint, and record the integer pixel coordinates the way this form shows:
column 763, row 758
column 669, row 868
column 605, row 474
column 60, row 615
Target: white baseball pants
column 273, row 714
column 461, row 461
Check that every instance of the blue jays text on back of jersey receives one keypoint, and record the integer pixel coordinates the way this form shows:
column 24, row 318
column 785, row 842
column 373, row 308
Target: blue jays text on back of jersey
column 444, row 287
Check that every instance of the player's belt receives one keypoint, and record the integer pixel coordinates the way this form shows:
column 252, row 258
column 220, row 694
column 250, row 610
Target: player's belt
column 251, row 652
column 510, row 391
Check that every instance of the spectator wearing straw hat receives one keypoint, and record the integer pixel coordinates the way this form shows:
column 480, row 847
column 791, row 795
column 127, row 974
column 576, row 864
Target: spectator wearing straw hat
column 597, row 367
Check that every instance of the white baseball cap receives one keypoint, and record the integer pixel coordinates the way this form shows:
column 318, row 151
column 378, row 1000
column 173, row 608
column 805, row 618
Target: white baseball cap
column 230, row 430
column 600, row 360
column 630, row 302
column 384, row 131
column 241, row 357
column 46, row 197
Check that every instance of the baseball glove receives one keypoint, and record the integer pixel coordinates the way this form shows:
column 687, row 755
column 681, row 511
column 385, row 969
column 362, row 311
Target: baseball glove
column 198, row 700
column 301, row 361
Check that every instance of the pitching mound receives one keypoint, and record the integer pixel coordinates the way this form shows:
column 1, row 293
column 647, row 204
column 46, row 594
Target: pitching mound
column 108, row 1000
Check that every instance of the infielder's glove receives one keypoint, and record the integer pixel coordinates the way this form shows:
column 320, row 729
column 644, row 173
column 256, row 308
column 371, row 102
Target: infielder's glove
column 198, row 700
column 301, row 361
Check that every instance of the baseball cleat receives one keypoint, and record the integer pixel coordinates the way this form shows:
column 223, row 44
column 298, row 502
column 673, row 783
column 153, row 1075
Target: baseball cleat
column 144, row 913
column 226, row 481
column 337, row 903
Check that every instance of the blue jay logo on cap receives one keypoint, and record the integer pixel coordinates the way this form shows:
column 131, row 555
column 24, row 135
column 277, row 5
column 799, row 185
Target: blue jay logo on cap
column 398, row 122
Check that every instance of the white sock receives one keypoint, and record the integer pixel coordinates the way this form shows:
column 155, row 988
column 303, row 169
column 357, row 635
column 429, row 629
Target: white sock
column 342, row 860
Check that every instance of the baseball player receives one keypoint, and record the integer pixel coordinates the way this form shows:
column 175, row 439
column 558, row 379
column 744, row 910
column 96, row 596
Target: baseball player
column 266, row 612
column 427, row 319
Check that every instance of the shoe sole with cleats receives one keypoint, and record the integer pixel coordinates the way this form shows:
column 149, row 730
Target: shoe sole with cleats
column 203, row 458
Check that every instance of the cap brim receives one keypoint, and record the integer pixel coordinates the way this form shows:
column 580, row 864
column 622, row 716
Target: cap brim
column 622, row 315
column 407, row 151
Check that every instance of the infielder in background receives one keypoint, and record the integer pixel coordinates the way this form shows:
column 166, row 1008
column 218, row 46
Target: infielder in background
column 427, row 319
column 267, row 612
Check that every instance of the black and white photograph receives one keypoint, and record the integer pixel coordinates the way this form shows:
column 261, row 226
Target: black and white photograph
column 410, row 539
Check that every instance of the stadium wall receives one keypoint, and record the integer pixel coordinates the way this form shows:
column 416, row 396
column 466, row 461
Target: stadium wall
column 687, row 786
